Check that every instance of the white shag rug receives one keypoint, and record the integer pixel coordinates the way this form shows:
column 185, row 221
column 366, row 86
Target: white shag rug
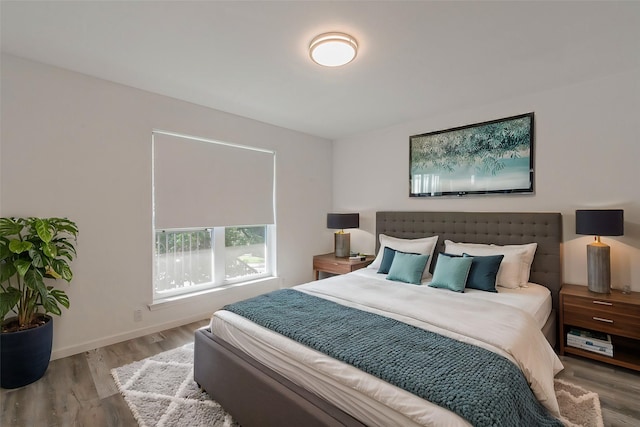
column 578, row 407
column 161, row 392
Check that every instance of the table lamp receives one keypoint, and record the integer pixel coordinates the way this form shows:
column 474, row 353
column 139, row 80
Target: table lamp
column 599, row 222
column 340, row 221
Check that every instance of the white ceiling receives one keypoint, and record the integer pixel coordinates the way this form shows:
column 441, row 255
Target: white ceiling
column 416, row 59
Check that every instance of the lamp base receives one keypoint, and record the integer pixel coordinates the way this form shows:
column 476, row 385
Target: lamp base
column 599, row 268
column 342, row 245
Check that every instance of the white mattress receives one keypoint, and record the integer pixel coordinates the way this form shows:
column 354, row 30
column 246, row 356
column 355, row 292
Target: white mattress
column 369, row 399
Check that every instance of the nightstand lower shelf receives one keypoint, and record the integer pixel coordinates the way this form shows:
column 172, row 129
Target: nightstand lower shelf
column 626, row 353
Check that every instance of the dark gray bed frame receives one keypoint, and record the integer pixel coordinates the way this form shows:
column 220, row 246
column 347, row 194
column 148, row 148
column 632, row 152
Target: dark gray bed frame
column 257, row 396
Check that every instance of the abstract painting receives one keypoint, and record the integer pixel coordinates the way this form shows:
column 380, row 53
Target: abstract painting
column 494, row 157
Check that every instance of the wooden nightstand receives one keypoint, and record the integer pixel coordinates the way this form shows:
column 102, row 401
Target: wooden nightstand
column 329, row 263
column 616, row 314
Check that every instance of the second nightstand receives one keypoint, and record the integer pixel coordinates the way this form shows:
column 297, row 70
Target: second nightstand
column 329, row 263
column 615, row 314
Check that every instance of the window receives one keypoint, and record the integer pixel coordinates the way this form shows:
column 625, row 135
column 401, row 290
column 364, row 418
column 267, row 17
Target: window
column 245, row 252
column 183, row 261
column 202, row 191
column 190, row 260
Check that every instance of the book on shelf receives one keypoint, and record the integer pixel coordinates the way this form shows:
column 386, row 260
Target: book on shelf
column 583, row 336
column 605, row 351
column 589, row 343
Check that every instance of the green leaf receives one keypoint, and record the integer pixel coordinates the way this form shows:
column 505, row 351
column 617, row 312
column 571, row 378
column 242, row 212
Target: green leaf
column 7, row 270
column 49, row 250
column 10, row 227
column 50, row 305
column 36, row 258
column 8, row 300
column 35, row 281
column 57, row 266
column 17, row 246
column 65, row 248
column 44, row 230
column 65, row 253
column 60, row 296
column 66, row 273
column 22, row 266
column 4, row 249
column 62, row 268
column 66, row 225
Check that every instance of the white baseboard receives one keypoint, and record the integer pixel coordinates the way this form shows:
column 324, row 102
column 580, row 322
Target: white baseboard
column 223, row 296
column 114, row 339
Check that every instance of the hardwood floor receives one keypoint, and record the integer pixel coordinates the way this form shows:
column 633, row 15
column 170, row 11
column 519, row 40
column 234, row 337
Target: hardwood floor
column 79, row 390
column 618, row 388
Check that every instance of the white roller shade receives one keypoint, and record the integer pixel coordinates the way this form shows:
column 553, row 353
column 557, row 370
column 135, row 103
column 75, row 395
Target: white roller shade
column 203, row 183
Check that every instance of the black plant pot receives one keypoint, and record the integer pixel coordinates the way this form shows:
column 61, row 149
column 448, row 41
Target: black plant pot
column 25, row 355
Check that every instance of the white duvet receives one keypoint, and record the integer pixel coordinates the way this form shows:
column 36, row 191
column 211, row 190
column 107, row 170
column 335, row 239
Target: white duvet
column 497, row 327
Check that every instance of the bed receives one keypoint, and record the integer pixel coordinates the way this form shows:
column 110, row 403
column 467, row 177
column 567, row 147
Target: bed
column 259, row 391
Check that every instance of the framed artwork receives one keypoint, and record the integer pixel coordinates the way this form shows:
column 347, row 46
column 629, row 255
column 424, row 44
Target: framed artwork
column 494, row 157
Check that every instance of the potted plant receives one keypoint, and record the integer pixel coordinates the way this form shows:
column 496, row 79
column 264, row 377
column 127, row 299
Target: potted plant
column 33, row 253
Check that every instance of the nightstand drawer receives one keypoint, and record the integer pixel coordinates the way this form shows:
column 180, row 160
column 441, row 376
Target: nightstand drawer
column 602, row 305
column 602, row 315
column 332, row 266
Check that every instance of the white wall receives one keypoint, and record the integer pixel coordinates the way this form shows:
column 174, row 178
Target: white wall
column 586, row 156
column 80, row 147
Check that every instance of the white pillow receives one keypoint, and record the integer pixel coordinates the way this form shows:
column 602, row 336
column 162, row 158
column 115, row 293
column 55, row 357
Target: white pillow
column 423, row 246
column 515, row 266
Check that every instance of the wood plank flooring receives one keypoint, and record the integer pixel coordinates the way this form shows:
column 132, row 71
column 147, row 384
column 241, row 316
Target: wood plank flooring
column 79, row 390
column 618, row 388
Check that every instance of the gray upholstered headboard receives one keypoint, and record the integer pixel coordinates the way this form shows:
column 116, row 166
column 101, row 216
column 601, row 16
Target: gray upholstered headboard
column 500, row 228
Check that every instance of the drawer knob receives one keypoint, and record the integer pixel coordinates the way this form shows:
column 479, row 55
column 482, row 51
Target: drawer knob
column 600, row 319
column 602, row 303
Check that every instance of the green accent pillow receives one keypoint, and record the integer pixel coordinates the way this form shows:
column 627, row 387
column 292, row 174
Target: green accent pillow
column 407, row 268
column 483, row 273
column 451, row 272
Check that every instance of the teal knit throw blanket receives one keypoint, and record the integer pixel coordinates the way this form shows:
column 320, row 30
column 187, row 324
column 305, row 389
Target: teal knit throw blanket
column 482, row 387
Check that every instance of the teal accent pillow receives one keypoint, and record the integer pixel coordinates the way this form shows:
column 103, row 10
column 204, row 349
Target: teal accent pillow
column 387, row 259
column 483, row 273
column 407, row 268
column 451, row 272
column 388, row 255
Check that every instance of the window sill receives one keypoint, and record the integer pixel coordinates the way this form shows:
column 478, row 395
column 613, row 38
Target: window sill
column 182, row 299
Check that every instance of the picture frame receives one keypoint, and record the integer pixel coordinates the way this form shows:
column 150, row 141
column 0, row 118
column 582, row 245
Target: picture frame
column 493, row 157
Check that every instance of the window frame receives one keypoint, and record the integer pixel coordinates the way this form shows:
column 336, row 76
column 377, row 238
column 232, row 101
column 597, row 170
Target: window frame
column 218, row 263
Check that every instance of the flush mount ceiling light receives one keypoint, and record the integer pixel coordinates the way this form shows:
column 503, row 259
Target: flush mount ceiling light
column 333, row 49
